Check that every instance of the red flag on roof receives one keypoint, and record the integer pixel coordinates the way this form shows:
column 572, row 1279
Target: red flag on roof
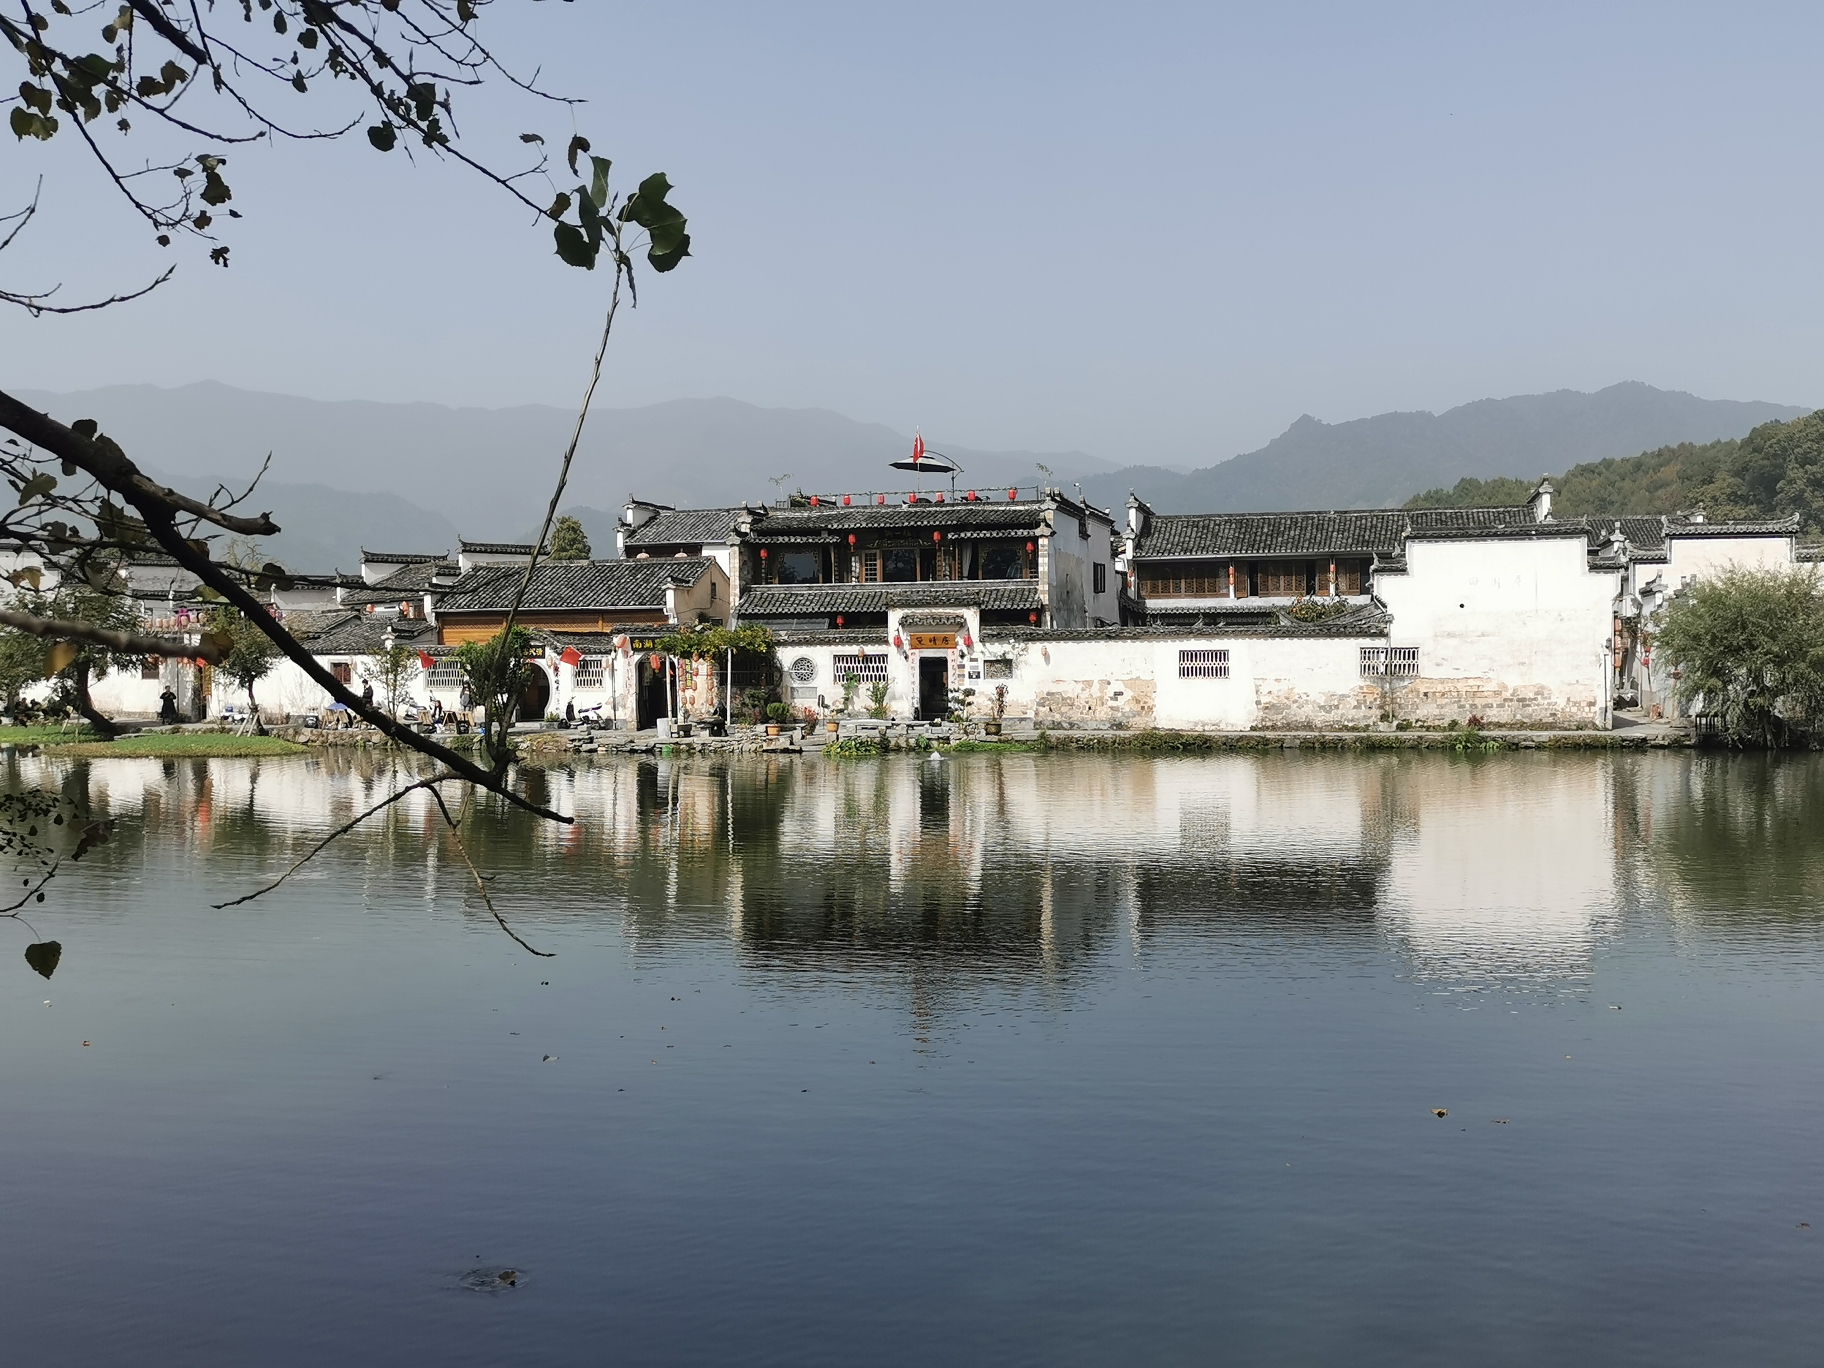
column 918, row 446
column 571, row 656
column 424, row 659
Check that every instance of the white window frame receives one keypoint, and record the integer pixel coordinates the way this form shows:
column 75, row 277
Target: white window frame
column 1203, row 662
column 1400, row 662
column 867, row 669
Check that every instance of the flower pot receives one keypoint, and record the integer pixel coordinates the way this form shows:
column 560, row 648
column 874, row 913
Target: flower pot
column 991, row 728
column 772, row 729
column 832, row 727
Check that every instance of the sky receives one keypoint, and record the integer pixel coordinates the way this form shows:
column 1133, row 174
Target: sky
column 1153, row 233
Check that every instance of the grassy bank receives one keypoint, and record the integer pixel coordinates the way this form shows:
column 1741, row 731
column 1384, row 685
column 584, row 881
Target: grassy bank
column 46, row 736
column 160, row 746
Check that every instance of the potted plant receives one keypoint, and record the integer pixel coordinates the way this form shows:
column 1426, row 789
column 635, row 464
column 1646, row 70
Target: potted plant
column 993, row 726
column 877, row 699
column 777, row 715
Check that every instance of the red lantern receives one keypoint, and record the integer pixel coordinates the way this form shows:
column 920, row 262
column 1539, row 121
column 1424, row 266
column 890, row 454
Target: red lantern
column 937, row 536
column 899, row 642
column 940, row 496
column 1030, row 548
column 656, row 660
column 845, row 500
column 970, row 496
column 839, row 619
column 1013, row 494
column 851, row 539
column 813, row 501
column 967, row 643
column 763, row 553
column 1032, row 617
column 880, row 498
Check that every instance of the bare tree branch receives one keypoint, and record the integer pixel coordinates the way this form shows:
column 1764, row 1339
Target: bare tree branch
column 132, row 643
column 339, row 832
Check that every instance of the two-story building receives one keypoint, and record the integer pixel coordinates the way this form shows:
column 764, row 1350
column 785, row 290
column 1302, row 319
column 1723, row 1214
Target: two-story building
column 897, row 589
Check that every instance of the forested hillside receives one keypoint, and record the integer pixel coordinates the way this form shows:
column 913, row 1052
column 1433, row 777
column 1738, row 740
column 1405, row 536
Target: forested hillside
column 1775, row 471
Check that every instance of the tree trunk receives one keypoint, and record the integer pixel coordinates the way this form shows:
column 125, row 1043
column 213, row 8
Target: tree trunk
column 259, row 727
column 104, row 725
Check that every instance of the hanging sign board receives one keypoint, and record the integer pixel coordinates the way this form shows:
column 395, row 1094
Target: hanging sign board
column 933, row 641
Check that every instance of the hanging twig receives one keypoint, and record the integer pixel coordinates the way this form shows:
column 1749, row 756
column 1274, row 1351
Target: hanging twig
column 339, row 832
column 481, row 884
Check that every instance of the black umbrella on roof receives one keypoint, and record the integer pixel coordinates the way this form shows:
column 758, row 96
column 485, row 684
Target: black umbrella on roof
column 922, row 462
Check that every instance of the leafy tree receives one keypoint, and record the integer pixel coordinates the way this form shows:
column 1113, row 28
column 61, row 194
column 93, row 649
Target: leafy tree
column 497, row 671
column 21, row 664
column 186, row 87
column 75, row 665
column 389, row 670
column 1749, row 647
column 248, row 654
column 568, row 540
column 1469, row 493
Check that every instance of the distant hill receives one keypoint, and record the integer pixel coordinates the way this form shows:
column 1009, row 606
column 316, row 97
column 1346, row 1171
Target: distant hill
column 1380, row 461
column 488, row 472
column 1775, row 471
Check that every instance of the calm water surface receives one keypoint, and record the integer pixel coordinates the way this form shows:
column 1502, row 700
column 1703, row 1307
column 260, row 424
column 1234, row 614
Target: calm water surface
column 992, row 1059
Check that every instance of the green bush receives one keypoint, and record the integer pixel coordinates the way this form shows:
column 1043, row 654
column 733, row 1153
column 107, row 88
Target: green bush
column 779, row 712
column 1749, row 647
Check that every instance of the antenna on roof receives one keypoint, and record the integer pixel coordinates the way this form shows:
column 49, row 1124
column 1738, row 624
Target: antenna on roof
column 778, row 482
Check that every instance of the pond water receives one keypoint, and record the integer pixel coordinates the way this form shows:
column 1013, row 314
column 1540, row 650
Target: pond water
column 1033, row 1059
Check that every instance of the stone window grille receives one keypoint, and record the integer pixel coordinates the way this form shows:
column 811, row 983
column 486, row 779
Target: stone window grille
column 1099, row 578
column 445, row 674
column 804, row 670
column 1401, row 662
column 867, row 669
column 1203, row 664
column 997, row 669
column 589, row 672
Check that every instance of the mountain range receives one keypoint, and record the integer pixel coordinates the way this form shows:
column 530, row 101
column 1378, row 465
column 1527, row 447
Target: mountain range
column 1379, row 462
column 414, row 476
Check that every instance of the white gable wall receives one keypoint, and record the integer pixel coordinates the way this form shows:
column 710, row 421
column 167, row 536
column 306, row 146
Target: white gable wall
column 1513, row 632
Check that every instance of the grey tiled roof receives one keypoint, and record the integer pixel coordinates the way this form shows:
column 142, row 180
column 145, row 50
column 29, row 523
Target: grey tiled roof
column 686, row 527
column 1342, row 532
column 1781, row 527
column 574, row 584
column 365, row 633
column 403, row 557
column 800, row 600
column 497, row 548
column 408, row 582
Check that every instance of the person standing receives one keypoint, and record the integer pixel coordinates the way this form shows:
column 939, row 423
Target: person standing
column 167, row 706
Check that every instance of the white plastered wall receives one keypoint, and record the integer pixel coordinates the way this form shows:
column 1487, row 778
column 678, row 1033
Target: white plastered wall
column 1513, row 632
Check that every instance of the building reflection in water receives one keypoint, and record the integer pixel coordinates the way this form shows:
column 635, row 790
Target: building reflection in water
column 1031, row 868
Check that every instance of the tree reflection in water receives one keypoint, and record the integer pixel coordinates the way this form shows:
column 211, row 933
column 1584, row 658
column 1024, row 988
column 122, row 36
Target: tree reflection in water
column 1031, row 866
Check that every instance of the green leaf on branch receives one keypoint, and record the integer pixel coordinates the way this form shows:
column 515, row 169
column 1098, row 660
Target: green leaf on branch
column 665, row 224
column 383, row 136
column 577, row 144
column 44, row 956
column 573, row 247
column 559, row 207
column 598, row 188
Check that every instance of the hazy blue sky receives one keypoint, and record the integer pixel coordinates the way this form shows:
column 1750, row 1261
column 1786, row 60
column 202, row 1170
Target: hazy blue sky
column 1155, row 233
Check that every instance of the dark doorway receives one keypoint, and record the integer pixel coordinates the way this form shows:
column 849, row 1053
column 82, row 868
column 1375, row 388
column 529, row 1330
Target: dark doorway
column 536, row 695
column 933, row 688
column 650, row 697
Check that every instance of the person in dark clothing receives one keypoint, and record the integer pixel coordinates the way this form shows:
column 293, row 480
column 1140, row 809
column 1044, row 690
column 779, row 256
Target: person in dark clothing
column 570, row 713
column 367, row 693
column 167, row 706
